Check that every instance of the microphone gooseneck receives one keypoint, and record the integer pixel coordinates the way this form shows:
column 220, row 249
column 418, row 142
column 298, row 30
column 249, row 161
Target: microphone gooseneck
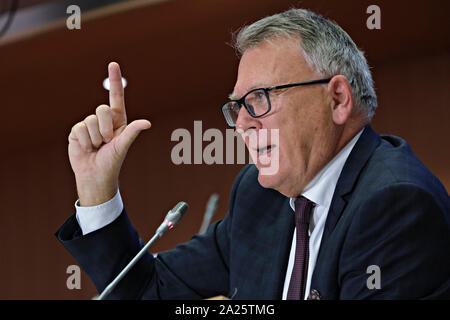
column 172, row 218
column 211, row 208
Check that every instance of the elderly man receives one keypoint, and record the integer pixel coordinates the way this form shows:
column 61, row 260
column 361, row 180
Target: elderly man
column 348, row 214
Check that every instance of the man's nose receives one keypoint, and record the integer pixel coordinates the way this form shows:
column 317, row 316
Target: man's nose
column 245, row 121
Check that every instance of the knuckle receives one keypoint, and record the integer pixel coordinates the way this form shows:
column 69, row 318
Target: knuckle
column 104, row 116
column 79, row 126
column 91, row 119
column 102, row 108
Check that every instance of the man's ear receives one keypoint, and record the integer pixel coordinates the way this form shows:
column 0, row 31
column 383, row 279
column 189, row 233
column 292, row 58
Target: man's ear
column 342, row 100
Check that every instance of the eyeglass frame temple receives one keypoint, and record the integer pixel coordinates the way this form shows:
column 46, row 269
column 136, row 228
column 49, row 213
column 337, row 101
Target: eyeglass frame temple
column 284, row 86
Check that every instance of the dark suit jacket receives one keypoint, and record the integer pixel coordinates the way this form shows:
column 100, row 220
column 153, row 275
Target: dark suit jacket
column 387, row 210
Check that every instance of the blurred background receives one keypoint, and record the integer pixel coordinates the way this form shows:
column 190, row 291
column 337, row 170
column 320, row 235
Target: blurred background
column 179, row 68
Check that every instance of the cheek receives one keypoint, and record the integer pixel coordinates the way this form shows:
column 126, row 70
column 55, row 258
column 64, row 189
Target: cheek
column 296, row 137
column 289, row 144
column 294, row 128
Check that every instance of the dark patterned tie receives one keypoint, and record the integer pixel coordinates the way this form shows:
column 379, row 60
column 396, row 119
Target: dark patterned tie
column 297, row 285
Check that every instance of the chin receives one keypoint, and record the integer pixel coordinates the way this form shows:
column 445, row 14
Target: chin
column 278, row 182
column 271, row 181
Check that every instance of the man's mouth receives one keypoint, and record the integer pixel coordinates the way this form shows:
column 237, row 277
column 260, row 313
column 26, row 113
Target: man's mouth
column 265, row 150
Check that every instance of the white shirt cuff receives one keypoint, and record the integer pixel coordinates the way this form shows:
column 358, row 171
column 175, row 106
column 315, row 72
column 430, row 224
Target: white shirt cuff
column 96, row 217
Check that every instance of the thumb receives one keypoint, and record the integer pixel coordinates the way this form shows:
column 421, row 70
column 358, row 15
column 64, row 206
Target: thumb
column 129, row 134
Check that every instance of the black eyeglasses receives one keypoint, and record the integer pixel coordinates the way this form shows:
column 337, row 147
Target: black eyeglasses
column 257, row 101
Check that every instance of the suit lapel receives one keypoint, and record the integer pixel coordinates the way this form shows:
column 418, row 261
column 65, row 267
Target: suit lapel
column 358, row 157
column 270, row 242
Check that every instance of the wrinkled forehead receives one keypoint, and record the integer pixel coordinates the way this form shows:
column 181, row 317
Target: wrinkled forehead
column 272, row 62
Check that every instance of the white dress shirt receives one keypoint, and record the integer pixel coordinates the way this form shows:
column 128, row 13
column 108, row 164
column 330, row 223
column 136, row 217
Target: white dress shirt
column 93, row 218
column 320, row 190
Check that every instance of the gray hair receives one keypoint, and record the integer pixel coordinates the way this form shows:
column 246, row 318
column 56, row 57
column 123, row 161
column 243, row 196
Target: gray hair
column 327, row 48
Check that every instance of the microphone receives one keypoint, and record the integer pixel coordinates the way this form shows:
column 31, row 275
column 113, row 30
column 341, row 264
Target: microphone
column 211, row 208
column 172, row 218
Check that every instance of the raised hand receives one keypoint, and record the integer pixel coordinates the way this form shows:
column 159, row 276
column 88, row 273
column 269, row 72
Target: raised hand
column 98, row 145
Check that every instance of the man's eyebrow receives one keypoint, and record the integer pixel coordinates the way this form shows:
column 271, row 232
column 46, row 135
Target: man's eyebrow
column 233, row 96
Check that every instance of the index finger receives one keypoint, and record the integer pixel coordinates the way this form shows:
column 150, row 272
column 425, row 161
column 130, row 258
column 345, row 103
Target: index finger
column 116, row 92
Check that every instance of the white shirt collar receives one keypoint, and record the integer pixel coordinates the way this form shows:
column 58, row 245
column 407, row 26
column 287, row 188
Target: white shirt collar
column 320, row 189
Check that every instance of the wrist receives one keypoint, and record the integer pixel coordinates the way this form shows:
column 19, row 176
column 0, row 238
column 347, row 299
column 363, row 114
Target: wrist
column 93, row 193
